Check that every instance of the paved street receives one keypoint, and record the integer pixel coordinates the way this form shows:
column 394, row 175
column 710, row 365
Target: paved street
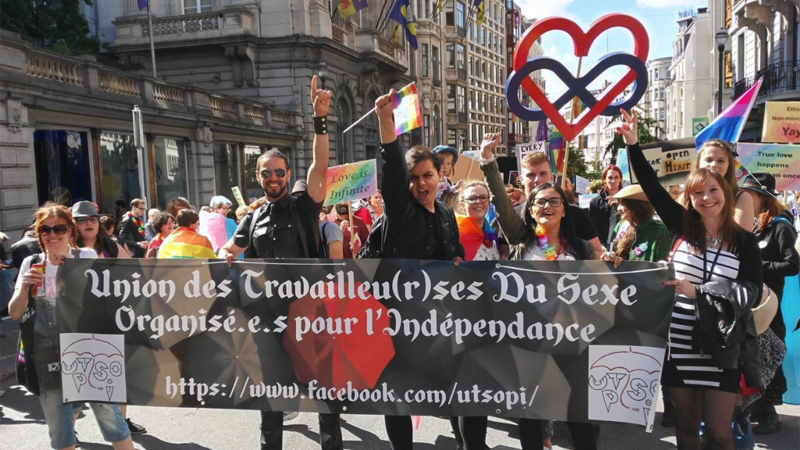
column 23, row 428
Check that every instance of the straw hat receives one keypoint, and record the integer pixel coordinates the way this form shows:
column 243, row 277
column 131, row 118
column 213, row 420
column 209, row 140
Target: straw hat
column 632, row 192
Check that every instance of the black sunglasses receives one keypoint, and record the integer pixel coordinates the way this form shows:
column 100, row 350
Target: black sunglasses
column 280, row 173
column 58, row 229
column 90, row 219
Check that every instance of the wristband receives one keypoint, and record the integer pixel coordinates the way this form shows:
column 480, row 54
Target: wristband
column 320, row 125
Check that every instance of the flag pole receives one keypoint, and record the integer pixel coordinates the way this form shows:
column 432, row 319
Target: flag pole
column 367, row 114
column 152, row 46
column 563, row 141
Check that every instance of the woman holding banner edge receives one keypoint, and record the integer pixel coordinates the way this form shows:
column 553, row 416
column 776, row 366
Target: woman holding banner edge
column 712, row 340
column 548, row 234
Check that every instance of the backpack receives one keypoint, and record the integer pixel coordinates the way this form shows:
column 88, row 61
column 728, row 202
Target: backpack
column 323, row 242
column 376, row 240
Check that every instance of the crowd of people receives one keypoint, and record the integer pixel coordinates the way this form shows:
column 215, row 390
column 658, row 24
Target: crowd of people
column 730, row 246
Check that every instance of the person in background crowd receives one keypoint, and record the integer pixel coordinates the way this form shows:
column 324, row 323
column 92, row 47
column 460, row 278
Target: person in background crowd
column 719, row 156
column 241, row 212
column 185, row 242
column 330, row 243
column 419, row 227
column 376, row 206
column 176, row 204
column 535, row 171
column 515, row 195
column 718, row 278
column 675, row 191
column 448, row 157
column 639, row 237
column 475, row 234
column 361, row 210
column 149, row 234
column 27, row 246
column 594, row 187
column 779, row 258
column 452, row 198
column 163, row 225
column 339, row 216
column 5, row 278
column 602, row 210
column 132, row 228
column 288, row 227
column 120, row 208
column 56, row 232
column 217, row 226
column 107, row 222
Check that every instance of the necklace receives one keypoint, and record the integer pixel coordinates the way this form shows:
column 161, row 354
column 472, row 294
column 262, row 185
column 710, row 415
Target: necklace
column 551, row 252
column 713, row 242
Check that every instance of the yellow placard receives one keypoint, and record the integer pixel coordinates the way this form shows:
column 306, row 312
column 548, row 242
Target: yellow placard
column 781, row 123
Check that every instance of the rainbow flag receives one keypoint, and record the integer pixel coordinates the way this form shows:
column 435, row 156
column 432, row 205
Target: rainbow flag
column 556, row 149
column 187, row 244
column 728, row 125
column 406, row 110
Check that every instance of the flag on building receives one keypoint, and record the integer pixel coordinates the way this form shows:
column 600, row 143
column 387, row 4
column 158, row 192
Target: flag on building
column 729, row 124
column 142, row 4
column 401, row 14
column 407, row 115
column 481, row 13
column 541, row 132
column 396, row 34
column 186, row 243
column 349, row 7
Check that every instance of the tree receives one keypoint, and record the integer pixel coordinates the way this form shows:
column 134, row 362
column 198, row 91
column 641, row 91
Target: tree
column 646, row 124
column 577, row 163
column 56, row 25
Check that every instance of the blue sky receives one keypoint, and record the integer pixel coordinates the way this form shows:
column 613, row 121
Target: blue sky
column 658, row 17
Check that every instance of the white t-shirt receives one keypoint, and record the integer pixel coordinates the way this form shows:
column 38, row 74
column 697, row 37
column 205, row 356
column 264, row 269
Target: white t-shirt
column 50, row 272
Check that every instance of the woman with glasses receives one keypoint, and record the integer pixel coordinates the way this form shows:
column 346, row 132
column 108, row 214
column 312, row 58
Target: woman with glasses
column 35, row 297
column 718, row 271
column 92, row 235
column 548, row 235
column 474, row 232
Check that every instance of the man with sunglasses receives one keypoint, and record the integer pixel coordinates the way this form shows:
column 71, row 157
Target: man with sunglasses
column 288, row 227
column 132, row 229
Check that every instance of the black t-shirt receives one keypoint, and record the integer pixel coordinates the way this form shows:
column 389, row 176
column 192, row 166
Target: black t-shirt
column 276, row 235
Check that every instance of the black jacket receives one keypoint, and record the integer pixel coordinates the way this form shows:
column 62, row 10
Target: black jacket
column 130, row 233
column 726, row 330
column 413, row 232
column 600, row 214
column 778, row 255
column 23, row 248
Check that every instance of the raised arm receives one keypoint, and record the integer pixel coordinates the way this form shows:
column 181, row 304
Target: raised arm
column 321, row 100
column 510, row 222
column 394, row 186
column 669, row 210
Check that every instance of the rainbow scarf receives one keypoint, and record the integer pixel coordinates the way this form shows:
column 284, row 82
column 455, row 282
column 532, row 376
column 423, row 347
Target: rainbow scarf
column 472, row 237
column 186, row 243
column 138, row 222
column 551, row 252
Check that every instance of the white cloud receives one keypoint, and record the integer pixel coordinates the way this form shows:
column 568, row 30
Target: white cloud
column 665, row 3
column 538, row 9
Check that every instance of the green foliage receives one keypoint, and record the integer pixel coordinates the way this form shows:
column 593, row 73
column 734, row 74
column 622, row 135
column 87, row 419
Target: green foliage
column 577, row 163
column 645, row 136
column 56, row 25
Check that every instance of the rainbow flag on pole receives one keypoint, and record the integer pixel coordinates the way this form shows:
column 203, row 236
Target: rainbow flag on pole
column 186, row 243
column 406, row 110
column 728, row 125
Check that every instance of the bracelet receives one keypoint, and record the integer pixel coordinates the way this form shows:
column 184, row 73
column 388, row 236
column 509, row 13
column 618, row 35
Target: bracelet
column 320, row 125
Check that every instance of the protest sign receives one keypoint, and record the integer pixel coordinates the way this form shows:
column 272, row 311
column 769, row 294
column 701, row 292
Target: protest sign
column 524, row 149
column 780, row 160
column 581, row 184
column 585, row 199
column 237, row 194
column 389, row 337
column 698, row 125
column 93, row 365
column 351, row 181
column 671, row 160
column 622, row 163
column 466, row 168
column 781, row 122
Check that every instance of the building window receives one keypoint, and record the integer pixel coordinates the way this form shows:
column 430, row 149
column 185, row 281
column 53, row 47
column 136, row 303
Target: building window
column 120, row 165
column 451, row 138
column 462, row 99
column 197, row 6
column 425, row 73
column 450, row 50
column 63, row 172
column 343, row 120
column 449, row 15
column 451, row 98
column 459, row 15
column 437, row 68
column 426, row 130
column 437, row 126
column 171, row 175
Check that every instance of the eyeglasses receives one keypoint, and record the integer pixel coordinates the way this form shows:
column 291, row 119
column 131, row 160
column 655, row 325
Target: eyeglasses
column 554, row 202
column 482, row 199
column 85, row 220
column 60, row 230
column 280, row 173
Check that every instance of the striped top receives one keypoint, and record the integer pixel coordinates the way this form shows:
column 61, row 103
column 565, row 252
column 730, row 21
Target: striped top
column 696, row 369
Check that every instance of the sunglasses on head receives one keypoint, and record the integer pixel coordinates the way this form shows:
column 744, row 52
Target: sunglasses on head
column 280, row 173
column 60, row 230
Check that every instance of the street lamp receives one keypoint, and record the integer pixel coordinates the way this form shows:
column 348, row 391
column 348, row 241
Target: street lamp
column 722, row 38
column 323, row 73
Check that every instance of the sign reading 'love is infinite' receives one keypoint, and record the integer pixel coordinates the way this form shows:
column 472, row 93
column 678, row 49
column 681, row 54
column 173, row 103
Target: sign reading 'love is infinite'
column 578, row 87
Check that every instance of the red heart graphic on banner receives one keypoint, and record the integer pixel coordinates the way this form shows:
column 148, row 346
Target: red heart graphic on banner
column 582, row 41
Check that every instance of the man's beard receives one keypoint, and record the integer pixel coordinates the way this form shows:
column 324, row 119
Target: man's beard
column 341, row 210
column 280, row 192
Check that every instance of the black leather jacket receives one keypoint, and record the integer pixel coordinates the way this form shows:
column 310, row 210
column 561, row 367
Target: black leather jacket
column 778, row 255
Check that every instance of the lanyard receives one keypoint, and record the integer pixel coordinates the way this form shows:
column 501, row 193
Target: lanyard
column 707, row 275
